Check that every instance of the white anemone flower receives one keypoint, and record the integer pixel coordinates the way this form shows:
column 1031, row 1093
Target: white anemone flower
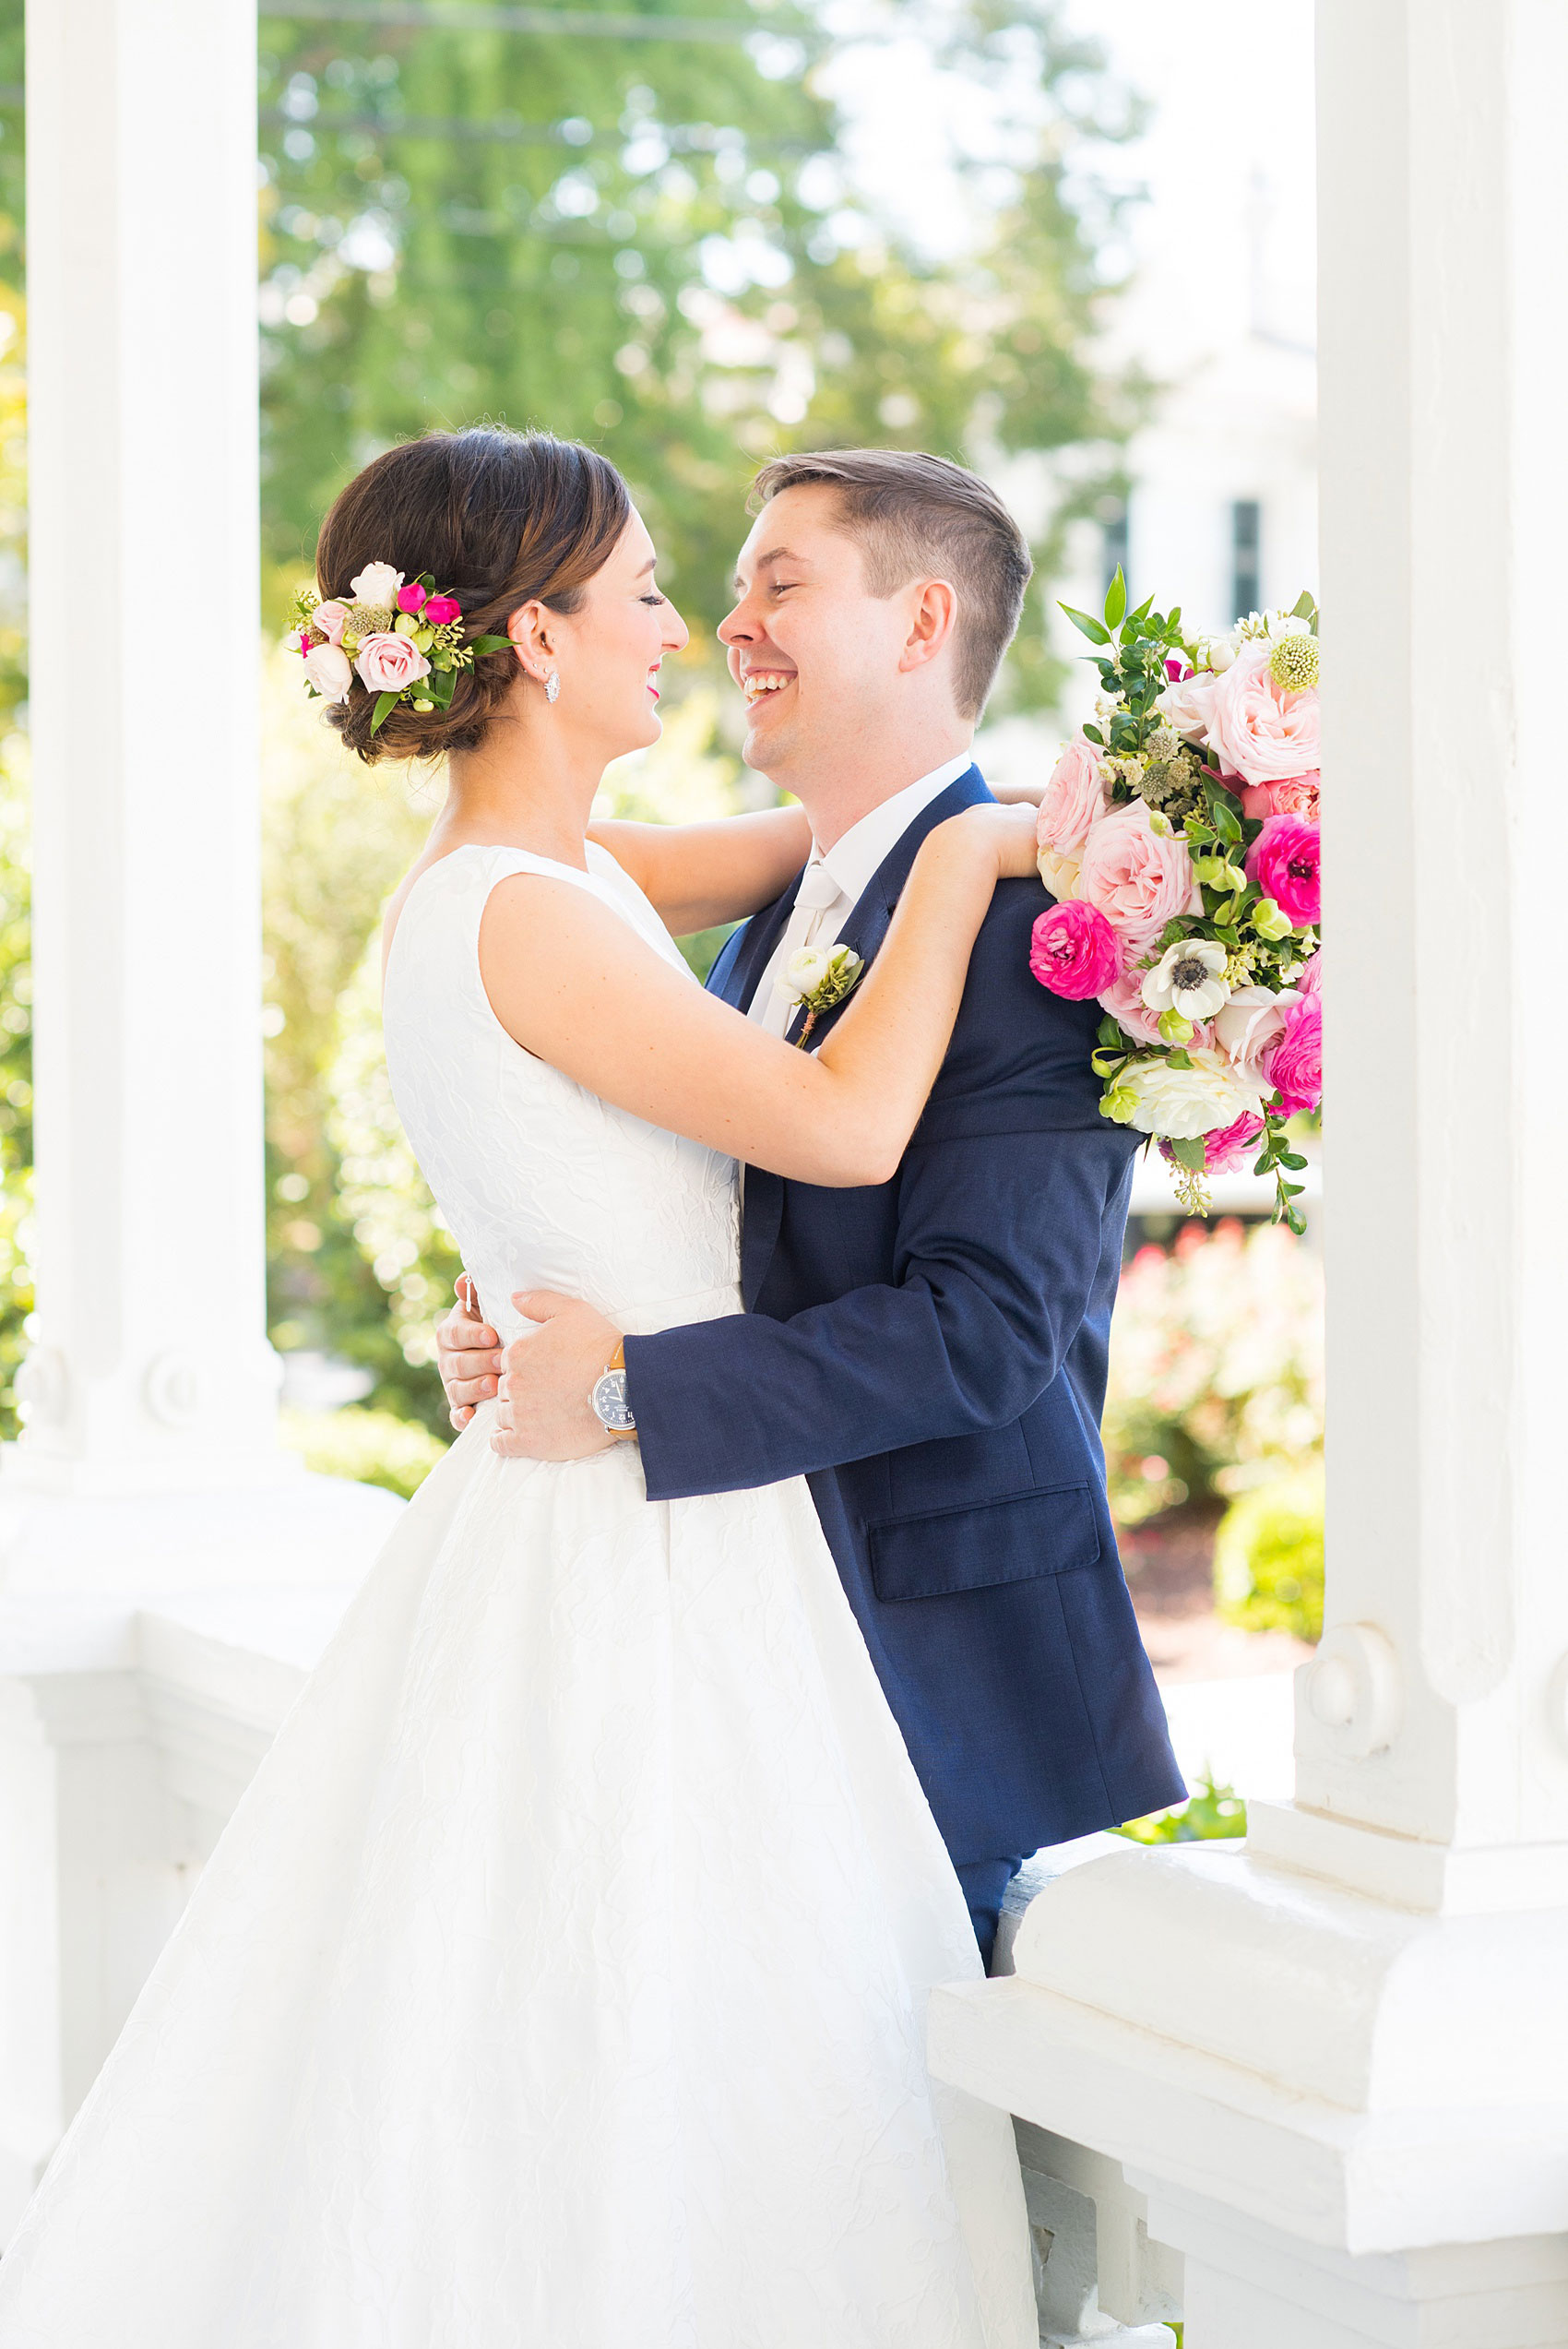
column 1188, row 978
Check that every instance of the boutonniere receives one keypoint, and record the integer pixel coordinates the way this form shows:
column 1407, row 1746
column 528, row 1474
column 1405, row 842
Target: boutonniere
column 820, row 976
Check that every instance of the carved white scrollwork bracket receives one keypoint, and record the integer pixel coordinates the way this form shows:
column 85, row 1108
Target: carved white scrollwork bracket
column 1353, row 1689
column 173, row 1389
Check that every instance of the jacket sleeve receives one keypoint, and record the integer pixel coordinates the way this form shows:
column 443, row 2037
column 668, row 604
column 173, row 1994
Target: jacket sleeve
column 1001, row 1204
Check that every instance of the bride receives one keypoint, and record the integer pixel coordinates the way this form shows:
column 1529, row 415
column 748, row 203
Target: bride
column 560, row 1978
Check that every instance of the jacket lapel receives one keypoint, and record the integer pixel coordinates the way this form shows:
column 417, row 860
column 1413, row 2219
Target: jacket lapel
column 743, row 957
column 864, row 931
column 868, row 924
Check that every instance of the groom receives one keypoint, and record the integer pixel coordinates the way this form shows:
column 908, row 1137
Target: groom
column 930, row 1351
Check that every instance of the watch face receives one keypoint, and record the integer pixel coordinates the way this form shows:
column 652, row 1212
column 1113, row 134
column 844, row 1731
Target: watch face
column 611, row 1405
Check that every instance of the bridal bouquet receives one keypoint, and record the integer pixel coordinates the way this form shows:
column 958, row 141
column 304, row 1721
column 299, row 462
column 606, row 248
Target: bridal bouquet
column 1179, row 835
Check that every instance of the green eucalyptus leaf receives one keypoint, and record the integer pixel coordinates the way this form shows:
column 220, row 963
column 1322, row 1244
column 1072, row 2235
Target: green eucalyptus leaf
column 1090, row 629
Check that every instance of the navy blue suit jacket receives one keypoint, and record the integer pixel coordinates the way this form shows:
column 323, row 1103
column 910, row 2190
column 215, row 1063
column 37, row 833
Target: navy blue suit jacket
column 931, row 1353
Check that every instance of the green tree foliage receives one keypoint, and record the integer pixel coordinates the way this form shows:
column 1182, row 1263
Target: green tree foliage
column 648, row 244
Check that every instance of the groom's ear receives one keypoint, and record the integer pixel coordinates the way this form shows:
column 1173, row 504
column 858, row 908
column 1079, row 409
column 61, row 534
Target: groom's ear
column 933, row 617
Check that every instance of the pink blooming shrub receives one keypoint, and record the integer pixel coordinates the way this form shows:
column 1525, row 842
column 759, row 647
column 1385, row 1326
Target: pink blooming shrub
column 1295, row 1066
column 1075, row 951
column 1284, row 862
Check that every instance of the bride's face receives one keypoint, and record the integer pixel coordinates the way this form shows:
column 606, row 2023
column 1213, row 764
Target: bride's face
column 611, row 648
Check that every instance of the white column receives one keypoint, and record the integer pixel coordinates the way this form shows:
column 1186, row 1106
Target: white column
column 1337, row 2062
column 151, row 1368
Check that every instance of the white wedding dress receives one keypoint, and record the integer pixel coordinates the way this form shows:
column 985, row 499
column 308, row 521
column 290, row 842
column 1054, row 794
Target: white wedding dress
column 559, row 1983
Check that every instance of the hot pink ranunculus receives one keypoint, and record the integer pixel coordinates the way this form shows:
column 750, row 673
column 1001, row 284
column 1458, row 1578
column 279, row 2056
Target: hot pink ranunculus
column 1311, row 980
column 1284, row 862
column 387, row 662
column 1073, row 798
column 1227, row 1146
column 1295, row 1066
column 1138, row 878
column 1256, row 729
column 328, row 620
column 1297, row 795
column 411, row 598
column 442, row 608
column 1075, row 951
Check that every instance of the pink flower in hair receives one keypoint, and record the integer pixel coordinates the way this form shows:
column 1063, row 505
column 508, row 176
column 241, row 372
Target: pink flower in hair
column 329, row 619
column 1075, row 951
column 441, row 609
column 389, row 663
column 411, row 598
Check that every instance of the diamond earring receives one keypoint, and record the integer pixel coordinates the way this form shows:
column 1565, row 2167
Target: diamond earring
column 553, row 685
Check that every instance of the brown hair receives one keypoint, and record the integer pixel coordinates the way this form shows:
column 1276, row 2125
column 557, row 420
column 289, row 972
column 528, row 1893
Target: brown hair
column 912, row 513
column 498, row 518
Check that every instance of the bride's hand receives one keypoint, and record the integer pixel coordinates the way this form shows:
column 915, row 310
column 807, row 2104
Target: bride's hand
column 1006, row 835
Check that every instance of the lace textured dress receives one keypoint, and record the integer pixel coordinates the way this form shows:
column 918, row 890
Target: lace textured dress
column 559, row 1982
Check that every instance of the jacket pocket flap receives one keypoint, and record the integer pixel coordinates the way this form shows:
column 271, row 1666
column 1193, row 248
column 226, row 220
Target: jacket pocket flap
column 1050, row 1531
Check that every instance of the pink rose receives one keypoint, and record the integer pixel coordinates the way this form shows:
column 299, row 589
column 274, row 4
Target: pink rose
column 1227, row 1146
column 1186, row 703
column 1284, row 862
column 1295, row 1066
column 1138, row 878
column 1124, row 1001
column 328, row 620
column 1075, row 951
column 410, row 598
column 1251, row 1024
column 441, row 609
column 388, row 663
column 1256, row 730
column 326, row 668
column 1297, row 795
column 1311, row 980
column 1073, row 798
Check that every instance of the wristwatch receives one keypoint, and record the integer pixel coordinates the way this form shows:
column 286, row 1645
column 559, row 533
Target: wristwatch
column 611, row 1407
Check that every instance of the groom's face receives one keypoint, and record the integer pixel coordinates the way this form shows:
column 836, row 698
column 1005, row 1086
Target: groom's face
column 815, row 653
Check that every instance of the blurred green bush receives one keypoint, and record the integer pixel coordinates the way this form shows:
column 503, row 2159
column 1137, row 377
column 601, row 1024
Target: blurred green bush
column 1268, row 1557
column 1213, row 1813
column 369, row 1446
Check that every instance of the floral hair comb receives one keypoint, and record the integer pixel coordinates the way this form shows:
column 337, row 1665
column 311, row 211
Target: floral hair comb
column 403, row 641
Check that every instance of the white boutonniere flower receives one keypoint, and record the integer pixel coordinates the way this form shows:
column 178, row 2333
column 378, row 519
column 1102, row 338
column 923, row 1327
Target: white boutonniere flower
column 819, row 977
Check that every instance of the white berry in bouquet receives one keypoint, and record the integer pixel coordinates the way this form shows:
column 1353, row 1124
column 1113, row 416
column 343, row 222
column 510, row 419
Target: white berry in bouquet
column 1179, row 836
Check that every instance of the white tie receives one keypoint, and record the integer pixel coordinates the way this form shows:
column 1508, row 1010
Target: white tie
column 817, row 894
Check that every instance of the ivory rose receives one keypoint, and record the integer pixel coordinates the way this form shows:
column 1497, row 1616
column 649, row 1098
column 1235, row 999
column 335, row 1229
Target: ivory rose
column 1184, row 1103
column 1186, row 704
column 1284, row 862
column 1138, row 876
column 1060, row 874
column 1256, row 731
column 377, row 585
column 328, row 619
column 1073, row 798
column 1295, row 1066
column 326, row 668
column 1075, row 951
column 388, row 663
column 1251, row 1025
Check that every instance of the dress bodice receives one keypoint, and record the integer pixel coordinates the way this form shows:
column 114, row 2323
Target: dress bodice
column 543, row 1184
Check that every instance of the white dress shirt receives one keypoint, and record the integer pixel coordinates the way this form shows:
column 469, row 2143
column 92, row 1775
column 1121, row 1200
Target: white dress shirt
column 836, row 878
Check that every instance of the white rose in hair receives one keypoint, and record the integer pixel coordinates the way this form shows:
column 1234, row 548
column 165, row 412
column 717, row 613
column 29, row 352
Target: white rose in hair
column 388, row 663
column 326, row 667
column 377, row 585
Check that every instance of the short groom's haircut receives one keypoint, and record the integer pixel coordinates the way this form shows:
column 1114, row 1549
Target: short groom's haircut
column 911, row 515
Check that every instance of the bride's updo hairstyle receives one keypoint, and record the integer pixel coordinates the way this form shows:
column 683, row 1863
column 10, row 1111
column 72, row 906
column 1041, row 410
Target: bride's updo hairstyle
column 498, row 518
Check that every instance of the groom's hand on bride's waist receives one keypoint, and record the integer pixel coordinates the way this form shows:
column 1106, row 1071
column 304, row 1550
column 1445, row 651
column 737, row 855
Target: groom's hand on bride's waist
column 544, row 1380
